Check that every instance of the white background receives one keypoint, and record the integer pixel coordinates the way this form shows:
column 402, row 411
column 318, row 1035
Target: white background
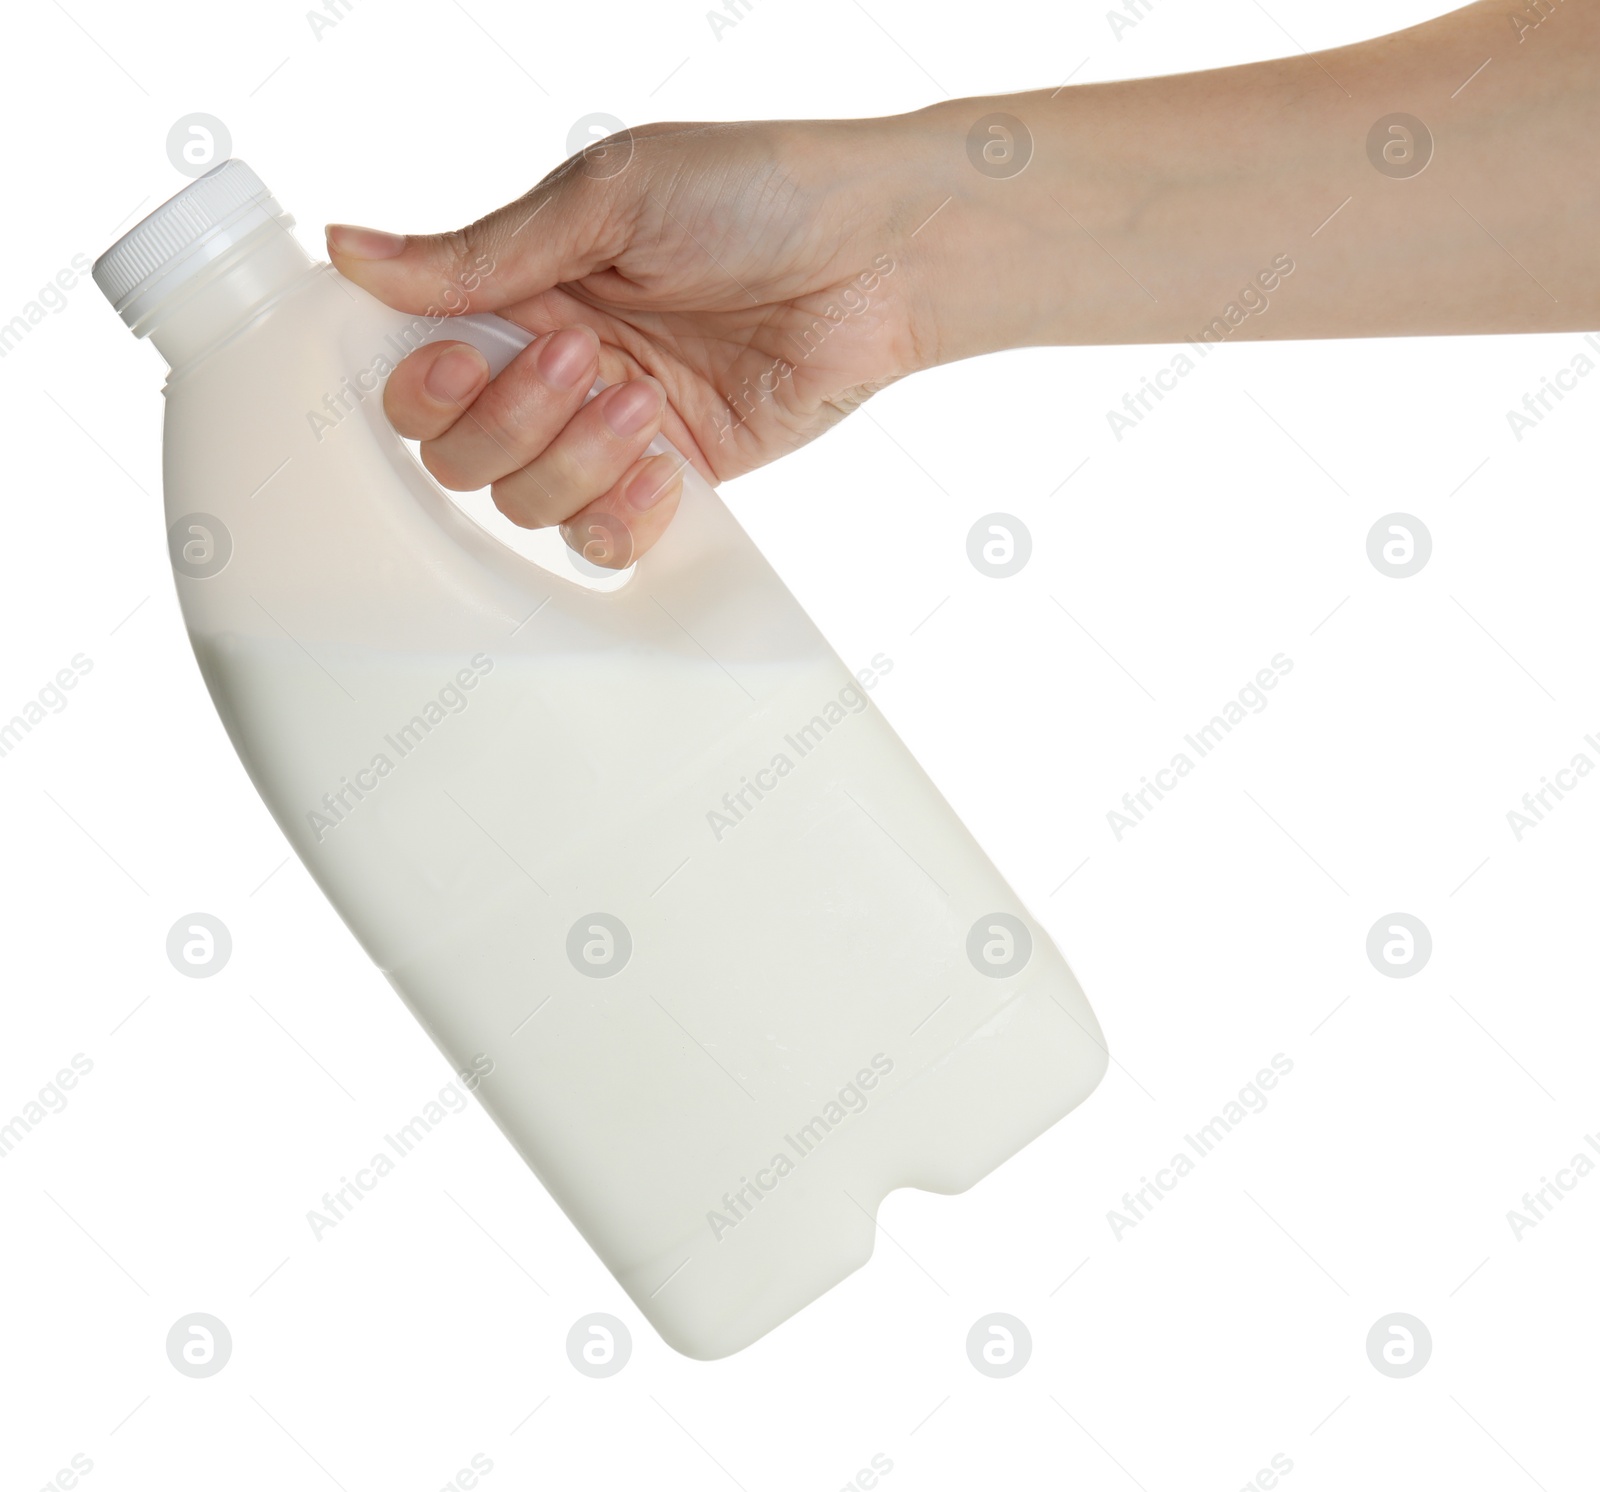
column 1225, row 1329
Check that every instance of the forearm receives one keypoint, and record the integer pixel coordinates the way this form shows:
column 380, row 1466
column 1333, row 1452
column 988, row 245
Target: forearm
column 1148, row 210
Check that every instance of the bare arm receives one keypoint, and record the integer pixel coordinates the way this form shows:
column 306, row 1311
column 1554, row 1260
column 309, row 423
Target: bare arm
column 1149, row 206
column 753, row 283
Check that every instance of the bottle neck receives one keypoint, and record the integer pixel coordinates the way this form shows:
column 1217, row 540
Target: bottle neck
column 206, row 309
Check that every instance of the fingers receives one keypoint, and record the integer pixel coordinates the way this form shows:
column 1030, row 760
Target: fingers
column 508, row 421
column 547, row 457
column 568, row 226
column 616, row 529
column 427, row 393
column 587, row 459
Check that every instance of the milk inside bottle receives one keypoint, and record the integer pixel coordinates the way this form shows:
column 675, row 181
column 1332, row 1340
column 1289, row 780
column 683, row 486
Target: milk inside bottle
column 648, row 863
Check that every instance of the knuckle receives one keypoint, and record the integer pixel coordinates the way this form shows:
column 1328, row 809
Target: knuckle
column 466, row 259
column 505, row 423
column 562, row 472
column 460, row 246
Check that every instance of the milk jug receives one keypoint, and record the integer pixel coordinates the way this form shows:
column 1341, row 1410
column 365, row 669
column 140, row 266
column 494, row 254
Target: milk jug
column 647, row 864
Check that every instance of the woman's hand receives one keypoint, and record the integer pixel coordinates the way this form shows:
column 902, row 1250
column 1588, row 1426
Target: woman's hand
column 741, row 286
column 750, row 284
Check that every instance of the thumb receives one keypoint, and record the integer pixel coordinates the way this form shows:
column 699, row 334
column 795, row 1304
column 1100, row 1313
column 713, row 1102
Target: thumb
column 565, row 228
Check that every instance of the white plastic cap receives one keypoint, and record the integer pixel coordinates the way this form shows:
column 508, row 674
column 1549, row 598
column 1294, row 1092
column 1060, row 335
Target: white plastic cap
column 182, row 236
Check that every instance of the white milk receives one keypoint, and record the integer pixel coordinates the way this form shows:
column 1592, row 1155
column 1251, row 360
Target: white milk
column 651, row 860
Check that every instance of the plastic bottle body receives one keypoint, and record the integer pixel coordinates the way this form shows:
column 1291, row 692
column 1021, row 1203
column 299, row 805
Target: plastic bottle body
column 650, row 862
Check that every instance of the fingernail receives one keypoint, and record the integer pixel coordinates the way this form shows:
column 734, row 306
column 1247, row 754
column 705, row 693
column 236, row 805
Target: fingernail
column 455, row 374
column 659, row 479
column 633, row 406
column 566, row 357
column 364, row 243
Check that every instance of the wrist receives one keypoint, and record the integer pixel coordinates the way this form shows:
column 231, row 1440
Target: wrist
column 980, row 226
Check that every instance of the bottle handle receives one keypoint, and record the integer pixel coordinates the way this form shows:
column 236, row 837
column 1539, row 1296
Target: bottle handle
column 500, row 341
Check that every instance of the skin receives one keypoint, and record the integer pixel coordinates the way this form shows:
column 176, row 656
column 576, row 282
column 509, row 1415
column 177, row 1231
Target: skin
column 731, row 277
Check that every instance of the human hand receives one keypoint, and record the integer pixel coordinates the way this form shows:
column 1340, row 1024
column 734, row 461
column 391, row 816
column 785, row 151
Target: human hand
column 737, row 284
column 748, row 285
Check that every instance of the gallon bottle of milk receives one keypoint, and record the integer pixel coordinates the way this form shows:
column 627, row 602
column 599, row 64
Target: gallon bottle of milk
column 647, row 860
